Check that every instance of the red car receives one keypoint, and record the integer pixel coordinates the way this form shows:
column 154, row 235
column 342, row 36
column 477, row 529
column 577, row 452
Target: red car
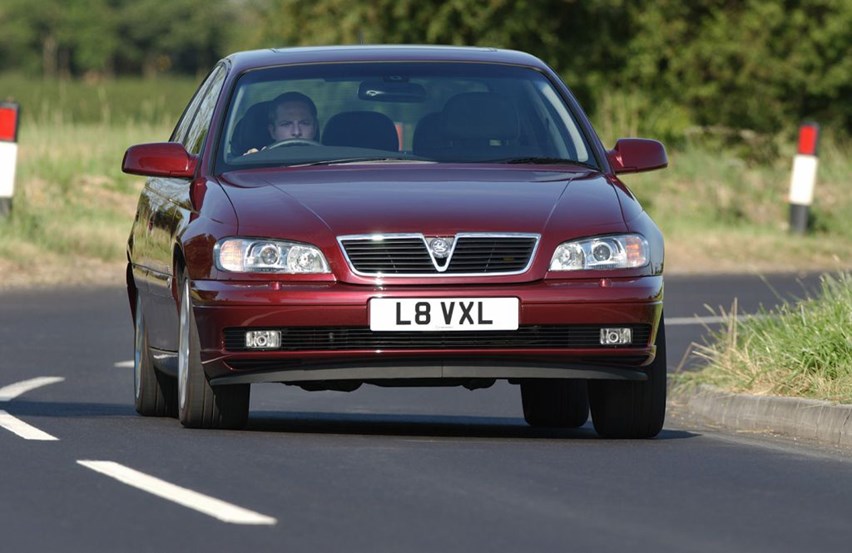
column 402, row 215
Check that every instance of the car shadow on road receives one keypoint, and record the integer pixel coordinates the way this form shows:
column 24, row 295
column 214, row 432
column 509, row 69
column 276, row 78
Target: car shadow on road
column 25, row 408
column 430, row 426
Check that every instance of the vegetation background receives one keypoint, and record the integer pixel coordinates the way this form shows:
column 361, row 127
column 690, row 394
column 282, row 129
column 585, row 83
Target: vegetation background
column 724, row 83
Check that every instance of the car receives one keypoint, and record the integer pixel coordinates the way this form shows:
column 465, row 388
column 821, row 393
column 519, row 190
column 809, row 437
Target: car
column 329, row 217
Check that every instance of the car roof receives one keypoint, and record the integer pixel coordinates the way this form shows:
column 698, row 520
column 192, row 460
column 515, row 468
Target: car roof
column 323, row 54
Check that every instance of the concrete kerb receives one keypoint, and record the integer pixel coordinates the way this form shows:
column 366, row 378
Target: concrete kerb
column 817, row 421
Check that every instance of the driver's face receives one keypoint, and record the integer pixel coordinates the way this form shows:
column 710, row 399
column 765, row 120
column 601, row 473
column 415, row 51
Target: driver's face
column 293, row 120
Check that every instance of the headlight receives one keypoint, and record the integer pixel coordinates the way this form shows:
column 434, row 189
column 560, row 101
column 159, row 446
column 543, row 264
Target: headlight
column 253, row 255
column 626, row 251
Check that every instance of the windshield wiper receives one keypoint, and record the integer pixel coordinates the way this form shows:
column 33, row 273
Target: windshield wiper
column 345, row 160
column 544, row 161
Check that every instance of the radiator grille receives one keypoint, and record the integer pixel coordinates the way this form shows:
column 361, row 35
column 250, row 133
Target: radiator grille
column 409, row 255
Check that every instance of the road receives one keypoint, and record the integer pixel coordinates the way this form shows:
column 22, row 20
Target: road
column 377, row 470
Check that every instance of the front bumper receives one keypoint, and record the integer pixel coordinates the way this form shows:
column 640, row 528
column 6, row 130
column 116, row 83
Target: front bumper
column 331, row 310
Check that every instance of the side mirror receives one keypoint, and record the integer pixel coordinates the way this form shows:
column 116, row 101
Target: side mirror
column 634, row 155
column 161, row 159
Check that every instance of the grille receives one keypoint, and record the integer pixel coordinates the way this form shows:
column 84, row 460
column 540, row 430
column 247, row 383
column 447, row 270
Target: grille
column 360, row 338
column 409, row 255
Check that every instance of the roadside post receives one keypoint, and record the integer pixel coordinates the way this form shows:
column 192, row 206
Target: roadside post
column 8, row 154
column 804, row 177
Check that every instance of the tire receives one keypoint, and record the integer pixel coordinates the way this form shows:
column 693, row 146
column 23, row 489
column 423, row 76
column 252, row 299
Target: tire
column 555, row 402
column 627, row 409
column 155, row 394
column 201, row 405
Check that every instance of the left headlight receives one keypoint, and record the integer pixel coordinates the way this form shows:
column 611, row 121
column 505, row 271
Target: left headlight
column 254, row 255
column 626, row 251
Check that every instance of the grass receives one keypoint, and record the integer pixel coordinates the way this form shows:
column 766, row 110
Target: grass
column 801, row 349
column 73, row 206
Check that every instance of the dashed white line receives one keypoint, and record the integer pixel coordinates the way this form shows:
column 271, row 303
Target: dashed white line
column 123, row 365
column 16, row 425
column 24, row 430
column 205, row 504
column 10, row 392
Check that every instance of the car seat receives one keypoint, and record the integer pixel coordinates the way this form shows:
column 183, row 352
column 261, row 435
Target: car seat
column 429, row 139
column 481, row 125
column 361, row 129
column 252, row 131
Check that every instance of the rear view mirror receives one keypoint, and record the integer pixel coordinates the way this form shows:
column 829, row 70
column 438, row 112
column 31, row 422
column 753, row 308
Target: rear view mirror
column 392, row 91
column 634, row 155
column 160, row 159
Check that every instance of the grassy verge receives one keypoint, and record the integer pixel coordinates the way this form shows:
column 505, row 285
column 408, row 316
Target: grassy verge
column 802, row 349
column 73, row 206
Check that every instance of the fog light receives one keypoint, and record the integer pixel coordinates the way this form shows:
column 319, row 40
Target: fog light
column 616, row 336
column 263, row 339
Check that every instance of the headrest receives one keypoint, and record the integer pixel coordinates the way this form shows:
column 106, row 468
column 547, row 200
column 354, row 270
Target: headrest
column 480, row 116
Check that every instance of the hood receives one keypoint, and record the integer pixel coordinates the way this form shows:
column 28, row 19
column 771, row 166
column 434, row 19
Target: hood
column 306, row 203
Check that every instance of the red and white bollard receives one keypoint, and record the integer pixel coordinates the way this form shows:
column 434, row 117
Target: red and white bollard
column 804, row 177
column 8, row 154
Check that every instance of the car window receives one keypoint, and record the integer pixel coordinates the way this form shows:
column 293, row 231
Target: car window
column 179, row 133
column 197, row 130
column 420, row 111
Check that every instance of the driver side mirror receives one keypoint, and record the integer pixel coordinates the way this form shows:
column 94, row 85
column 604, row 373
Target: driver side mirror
column 160, row 159
column 634, row 155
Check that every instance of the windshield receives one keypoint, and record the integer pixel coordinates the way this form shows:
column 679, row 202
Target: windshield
column 390, row 112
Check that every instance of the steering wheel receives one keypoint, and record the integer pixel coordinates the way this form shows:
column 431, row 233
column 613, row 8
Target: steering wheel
column 293, row 142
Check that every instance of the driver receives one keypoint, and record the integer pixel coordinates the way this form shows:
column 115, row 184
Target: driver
column 292, row 116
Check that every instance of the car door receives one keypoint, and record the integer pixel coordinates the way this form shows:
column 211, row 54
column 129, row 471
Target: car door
column 168, row 200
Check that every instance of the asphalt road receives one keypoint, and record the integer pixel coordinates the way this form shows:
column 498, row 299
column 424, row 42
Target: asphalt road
column 381, row 469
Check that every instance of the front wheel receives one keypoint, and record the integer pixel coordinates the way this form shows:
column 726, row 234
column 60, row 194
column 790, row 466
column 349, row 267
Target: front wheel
column 201, row 405
column 627, row 409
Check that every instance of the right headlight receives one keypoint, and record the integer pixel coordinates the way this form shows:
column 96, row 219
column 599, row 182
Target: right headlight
column 255, row 255
column 621, row 251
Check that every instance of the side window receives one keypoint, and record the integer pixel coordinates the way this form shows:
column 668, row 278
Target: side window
column 179, row 134
column 200, row 123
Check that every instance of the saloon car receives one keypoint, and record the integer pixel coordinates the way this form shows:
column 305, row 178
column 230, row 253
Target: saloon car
column 334, row 217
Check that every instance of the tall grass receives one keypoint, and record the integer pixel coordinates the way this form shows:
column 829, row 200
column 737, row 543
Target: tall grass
column 802, row 349
column 119, row 101
column 71, row 199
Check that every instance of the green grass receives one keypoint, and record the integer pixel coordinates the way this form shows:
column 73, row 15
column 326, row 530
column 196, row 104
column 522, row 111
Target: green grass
column 125, row 100
column 71, row 198
column 801, row 349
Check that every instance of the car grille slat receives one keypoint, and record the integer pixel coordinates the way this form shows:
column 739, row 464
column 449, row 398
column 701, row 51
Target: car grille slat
column 359, row 338
column 472, row 254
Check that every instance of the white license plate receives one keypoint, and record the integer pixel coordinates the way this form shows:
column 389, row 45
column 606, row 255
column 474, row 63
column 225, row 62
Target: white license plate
column 444, row 314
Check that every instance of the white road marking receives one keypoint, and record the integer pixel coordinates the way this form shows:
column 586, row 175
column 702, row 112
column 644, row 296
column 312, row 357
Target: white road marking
column 123, row 365
column 207, row 505
column 16, row 425
column 696, row 320
column 10, row 392
column 23, row 429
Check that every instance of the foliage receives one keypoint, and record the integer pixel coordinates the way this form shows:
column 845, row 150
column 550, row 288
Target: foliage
column 728, row 71
column 802, row 349
column 105, row 37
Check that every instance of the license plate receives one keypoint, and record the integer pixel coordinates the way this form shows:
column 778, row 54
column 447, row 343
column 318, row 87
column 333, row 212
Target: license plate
column 457, row 314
